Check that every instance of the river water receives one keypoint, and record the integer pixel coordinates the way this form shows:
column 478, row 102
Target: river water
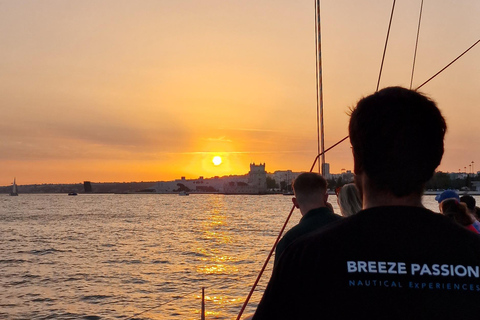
column 116, row 256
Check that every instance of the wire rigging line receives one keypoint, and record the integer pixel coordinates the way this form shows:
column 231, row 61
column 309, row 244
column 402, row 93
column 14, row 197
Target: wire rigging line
column 448, row 65
column 416, row 44
column 386, row 43
column 279, row 236
column 318, row 80
column 318, row 156
column 216, row 283
column 245, row 303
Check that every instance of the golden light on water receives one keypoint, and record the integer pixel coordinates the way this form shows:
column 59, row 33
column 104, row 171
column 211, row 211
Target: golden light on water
column 215, row 261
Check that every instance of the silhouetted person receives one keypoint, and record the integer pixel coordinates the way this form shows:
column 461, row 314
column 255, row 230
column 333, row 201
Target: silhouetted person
column 458, row 212
column 453, row 195
column 311, row 196
column 471, row 205
column 394, row 259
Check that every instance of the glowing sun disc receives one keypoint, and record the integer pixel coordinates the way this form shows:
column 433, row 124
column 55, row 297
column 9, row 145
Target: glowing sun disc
column 217, row 160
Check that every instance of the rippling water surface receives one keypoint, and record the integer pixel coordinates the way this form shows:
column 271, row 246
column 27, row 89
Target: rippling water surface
column 115, row 256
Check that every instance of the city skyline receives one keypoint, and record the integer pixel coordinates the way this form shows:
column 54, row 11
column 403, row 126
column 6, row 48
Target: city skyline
column 154, row 90
column 462, row 174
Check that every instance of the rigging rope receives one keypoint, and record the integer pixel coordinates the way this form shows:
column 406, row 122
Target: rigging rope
column 318, row 70
column 319, row 87
column 279, row 236
column 416, row 44
column 316, row 81
column 448, row 65
column 385, row 48
column 216, row 283
column 245, row 303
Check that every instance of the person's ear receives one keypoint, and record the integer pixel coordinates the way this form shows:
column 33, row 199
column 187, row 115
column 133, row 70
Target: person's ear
column 295, row 202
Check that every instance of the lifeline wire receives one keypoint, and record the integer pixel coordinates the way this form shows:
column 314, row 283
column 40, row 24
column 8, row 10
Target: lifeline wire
column 416, row 44
column 279, row 236
column 385, row 48
column 265, row 264
column 448, row 65
column 177, row 298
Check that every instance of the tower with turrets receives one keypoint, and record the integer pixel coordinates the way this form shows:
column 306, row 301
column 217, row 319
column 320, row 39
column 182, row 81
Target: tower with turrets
column 258, row 177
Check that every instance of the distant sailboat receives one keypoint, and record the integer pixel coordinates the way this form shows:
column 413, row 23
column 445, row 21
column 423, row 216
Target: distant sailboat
column 14, row 189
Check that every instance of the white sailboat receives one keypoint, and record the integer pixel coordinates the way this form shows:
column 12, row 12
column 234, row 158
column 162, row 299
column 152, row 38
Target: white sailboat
column 14, row 189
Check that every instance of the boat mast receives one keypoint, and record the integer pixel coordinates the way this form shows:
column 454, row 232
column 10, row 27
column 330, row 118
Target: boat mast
column 320, row 124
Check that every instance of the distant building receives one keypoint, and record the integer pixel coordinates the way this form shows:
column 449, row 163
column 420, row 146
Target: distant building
column 253, row 183
column 284, row 178
column 256, row 184
column 476, row 185
column 87, row 186
column 258, row 177
column 326, row 170
column 199, row 185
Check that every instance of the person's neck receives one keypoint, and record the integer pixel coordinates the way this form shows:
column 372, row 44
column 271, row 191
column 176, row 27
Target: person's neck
column 307, row 208
column 373, row 197
column 379, row 199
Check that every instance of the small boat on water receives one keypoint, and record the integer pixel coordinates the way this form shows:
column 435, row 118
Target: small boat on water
column 14, row 191
column 184, row 193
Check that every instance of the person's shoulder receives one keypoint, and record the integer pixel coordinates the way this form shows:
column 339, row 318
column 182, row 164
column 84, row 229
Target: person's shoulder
column 321, row 214
column 386, row 222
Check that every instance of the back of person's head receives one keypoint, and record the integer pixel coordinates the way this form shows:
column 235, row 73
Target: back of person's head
column 308, row 186
column 397, row 138
column 457, row 211
column 469, row 201
column 349, row 200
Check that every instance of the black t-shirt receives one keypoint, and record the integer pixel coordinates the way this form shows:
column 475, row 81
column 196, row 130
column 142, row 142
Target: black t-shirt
column 383, row 263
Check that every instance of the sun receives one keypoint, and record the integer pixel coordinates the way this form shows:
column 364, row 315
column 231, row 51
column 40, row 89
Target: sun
column 217, row 160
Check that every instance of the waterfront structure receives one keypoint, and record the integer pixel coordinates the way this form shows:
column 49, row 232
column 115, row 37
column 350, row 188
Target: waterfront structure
column 255, row 182
column 326, row 170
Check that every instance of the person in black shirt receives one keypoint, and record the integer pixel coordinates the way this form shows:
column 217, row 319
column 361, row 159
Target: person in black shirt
column 311, row 196
column 394, row 259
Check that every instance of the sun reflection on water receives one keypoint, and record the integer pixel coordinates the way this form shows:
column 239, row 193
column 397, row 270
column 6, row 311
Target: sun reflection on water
column 215, row 260
column 215, row 250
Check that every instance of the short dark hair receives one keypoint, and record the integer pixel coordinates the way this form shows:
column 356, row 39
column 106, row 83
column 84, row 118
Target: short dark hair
column 397, row 138
column 469, row 201
column 308, row 185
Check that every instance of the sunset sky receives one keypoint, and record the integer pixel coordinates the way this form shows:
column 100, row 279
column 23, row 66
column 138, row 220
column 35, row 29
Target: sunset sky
column 147, row 90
